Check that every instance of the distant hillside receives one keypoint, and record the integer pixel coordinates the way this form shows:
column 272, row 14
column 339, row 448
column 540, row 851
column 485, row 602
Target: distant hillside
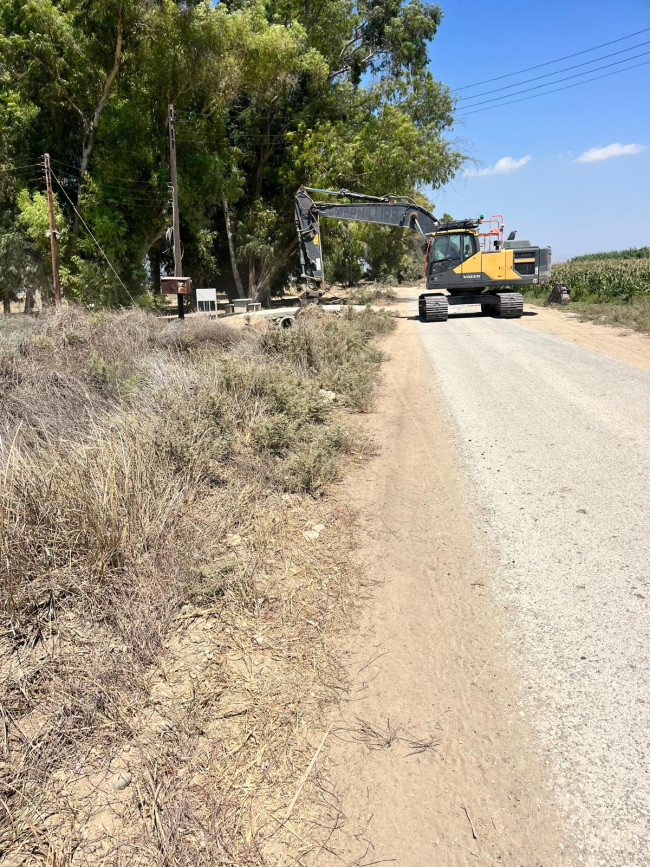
column 632, row 253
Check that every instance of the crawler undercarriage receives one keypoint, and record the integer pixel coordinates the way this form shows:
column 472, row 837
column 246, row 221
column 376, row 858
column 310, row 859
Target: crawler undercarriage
column 434, row 306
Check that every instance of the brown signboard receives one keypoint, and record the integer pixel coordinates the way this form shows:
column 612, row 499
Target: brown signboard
column 175, row 285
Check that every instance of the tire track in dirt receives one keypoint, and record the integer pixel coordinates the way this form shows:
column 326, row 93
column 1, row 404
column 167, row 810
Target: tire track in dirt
column 429, row 660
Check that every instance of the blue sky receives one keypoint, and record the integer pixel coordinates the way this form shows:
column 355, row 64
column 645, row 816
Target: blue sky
column 543, row 190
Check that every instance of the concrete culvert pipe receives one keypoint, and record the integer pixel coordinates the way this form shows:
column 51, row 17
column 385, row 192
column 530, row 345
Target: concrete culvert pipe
column 285, row 322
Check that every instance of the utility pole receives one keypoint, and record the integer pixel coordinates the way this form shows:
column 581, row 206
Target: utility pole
column 53, row 233
column 178, row 266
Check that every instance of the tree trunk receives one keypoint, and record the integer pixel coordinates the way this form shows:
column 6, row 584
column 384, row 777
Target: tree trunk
column 89, row 138
column 231, row 247
column 264, row 282
column 148, row 242
column 252, row 288
column 154, row 265
column 29, row 300
column 6, row 305
column 265, row 153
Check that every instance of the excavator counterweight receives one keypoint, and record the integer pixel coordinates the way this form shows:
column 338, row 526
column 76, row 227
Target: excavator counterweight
column 458, row 268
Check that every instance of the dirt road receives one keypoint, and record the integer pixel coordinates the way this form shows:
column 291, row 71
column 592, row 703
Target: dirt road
column 507, row 520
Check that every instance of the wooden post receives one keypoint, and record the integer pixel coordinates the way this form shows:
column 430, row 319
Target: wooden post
column 178, row 265
column 53, row 234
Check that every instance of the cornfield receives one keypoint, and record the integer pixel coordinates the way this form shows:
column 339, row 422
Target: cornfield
column 605, row 279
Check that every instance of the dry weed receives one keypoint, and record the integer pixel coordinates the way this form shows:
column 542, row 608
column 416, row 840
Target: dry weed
column 168, row 625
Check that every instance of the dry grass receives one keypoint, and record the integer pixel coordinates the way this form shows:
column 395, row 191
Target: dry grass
column 371, row 295
column 633, row 313
column 375, row 737
column 382, row 737
column 168, row 612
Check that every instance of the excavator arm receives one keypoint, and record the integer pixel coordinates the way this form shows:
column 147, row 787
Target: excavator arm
column 399, row 211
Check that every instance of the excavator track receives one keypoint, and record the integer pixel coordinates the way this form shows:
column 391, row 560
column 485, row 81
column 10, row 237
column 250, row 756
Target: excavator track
column 433, row 308
column 510, row 305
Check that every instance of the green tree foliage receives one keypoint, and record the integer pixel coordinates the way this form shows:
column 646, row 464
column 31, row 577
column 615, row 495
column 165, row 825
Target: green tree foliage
column 268, row 94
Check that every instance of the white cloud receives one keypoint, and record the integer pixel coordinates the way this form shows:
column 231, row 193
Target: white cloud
column 594, row 155
column 501, row 167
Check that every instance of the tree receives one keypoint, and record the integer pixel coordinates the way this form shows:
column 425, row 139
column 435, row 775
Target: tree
column 25, row 251
column 326, row 126
column 268, row 94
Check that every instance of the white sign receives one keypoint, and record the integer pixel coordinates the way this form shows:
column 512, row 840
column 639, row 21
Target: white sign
column 206, row 300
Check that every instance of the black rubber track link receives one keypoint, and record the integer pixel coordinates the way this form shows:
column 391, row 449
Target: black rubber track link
column 433, row 308
column 510, row 306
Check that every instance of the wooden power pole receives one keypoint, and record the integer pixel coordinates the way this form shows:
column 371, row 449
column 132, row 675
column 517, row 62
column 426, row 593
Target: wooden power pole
column 53, row 233
column 178, row 265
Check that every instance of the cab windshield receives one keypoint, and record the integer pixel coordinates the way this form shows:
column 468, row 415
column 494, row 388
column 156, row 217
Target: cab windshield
column 448, row 251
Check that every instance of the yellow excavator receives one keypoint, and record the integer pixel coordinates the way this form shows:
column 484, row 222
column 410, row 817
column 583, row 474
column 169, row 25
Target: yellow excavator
column 462, row 266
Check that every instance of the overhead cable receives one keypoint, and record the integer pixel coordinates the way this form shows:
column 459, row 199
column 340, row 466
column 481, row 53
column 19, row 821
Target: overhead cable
column 551, row 62
column 75, row 170
column 558, row 71
column 566, row 78
column 99, row 246
column 554, row 90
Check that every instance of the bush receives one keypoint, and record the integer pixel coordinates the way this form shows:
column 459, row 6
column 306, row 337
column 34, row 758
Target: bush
column 337, row 352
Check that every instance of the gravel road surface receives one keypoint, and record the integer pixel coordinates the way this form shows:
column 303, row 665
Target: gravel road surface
column 556, row 441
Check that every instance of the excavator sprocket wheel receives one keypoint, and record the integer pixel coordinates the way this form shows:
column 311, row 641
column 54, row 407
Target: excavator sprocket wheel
column 433, row 308
column 510, row 306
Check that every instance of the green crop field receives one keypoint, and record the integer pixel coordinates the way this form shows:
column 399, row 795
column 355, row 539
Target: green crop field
column 604, row 279
column 630, row 253
column 612, row 288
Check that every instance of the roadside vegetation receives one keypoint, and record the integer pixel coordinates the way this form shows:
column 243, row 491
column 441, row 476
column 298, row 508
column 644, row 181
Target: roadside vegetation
column 613, row 288
column 366, row 294
column 173, row 582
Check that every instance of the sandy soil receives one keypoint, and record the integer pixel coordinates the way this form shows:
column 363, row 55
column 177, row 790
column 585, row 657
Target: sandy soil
column 434, row 759
column 619, row 343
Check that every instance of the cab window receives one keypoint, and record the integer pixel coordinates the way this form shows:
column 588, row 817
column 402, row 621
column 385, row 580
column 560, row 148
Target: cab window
column 440, row 250
column 469, row 245
column 447, row 251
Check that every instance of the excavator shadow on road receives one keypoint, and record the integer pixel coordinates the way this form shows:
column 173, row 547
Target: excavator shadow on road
column 466, row 314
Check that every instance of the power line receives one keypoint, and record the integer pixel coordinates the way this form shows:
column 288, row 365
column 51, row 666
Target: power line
column 551, row 62
column 99, row 247
column 22, row 165
column 75, row 170
column 566, row 87
column 27, row 176
column 566, row 78
column 125, row 191
column 558, row 71
column 124, row 194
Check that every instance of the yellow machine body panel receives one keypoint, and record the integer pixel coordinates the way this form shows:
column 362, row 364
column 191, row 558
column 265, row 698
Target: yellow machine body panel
column 455, row 261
